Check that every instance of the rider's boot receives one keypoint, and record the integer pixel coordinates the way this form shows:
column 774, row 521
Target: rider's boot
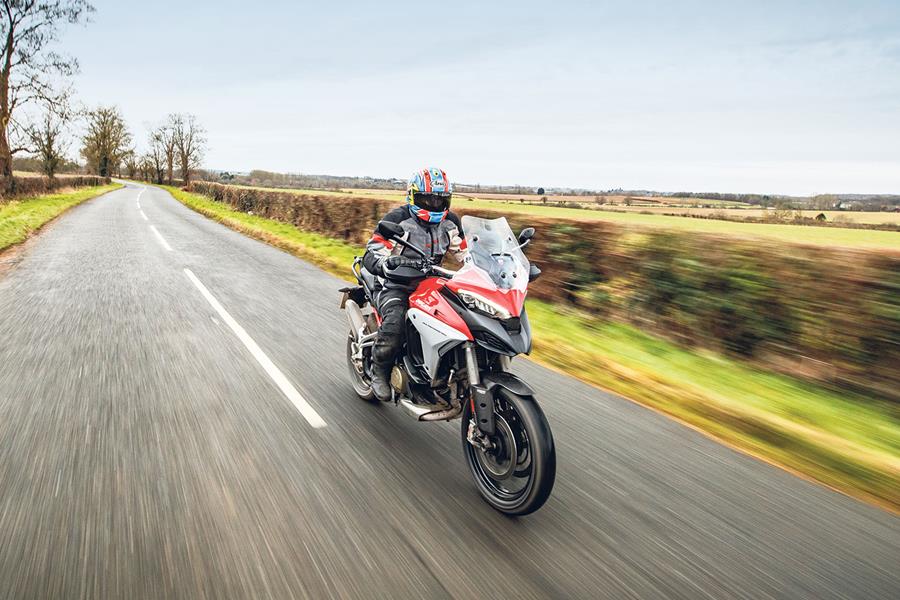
column 385, row 349
column 381, row 385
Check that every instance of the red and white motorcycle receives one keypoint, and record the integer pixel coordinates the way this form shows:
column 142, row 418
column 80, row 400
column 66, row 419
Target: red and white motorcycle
column 462, row 329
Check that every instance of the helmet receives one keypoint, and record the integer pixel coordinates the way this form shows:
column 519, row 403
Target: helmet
column 428, row 195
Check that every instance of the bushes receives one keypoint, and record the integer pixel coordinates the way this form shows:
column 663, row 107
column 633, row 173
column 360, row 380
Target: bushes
column 829, row 314
column 35, row 186
column 727, row 296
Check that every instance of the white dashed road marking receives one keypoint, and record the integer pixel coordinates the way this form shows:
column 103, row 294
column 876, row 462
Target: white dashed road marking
column 268, row 366
column 161, row 239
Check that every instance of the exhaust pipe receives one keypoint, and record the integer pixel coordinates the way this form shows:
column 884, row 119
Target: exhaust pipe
column 425, row 414
column 357, row 321
column 443, row 415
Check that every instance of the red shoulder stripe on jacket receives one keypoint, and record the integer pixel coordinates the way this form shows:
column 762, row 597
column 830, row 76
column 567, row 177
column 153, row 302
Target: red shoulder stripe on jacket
column 378, row 238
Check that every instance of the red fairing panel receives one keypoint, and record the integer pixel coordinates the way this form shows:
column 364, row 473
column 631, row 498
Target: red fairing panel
column 474, row 280
column 428, row 299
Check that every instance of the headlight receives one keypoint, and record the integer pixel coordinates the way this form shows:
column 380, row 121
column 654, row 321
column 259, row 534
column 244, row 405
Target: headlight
column 492, row 309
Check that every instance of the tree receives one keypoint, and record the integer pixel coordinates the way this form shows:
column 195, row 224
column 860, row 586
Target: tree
column 132, row 164
column 27, row 67
column 167, row 138
column 540, row 191
column 190, row 144
column 157, row 157
column 46, row 137
column 106, row 141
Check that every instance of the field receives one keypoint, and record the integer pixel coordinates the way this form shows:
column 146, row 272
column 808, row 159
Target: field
column 801, row 234
column 33, row 174
column 868, row 218
column 530, row 198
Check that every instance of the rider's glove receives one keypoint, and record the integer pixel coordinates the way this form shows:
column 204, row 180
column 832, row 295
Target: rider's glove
column 392, row 262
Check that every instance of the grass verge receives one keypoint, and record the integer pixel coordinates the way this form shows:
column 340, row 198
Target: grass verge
column 23, row 216
column 849, row 442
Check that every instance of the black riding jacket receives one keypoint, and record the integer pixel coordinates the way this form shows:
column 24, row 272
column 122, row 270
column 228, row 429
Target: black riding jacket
column 438, row 239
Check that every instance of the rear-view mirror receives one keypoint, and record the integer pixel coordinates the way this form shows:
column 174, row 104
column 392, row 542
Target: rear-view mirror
column 389, row 230
column 526, row 235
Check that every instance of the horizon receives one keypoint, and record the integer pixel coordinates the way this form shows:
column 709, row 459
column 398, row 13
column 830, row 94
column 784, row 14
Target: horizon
column 767, row 99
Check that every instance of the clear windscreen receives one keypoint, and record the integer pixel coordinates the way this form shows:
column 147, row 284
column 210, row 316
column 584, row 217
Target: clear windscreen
column 494, row 250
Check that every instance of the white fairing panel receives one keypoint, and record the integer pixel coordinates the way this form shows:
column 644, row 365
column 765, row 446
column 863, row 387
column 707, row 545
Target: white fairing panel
column 436, row 336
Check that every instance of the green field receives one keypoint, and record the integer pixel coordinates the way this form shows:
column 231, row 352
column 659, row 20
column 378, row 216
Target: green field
column 849, row 442
column 798, row 234
column 20, row 217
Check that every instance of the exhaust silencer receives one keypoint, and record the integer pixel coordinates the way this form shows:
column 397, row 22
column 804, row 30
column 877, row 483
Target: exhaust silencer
column 357, row 321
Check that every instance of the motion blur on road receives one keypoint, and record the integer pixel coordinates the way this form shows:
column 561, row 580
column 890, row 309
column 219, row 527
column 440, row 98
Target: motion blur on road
column 148, row 450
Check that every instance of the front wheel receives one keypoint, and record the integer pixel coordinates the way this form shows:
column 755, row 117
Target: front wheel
column 361, row 383
column 515, row 468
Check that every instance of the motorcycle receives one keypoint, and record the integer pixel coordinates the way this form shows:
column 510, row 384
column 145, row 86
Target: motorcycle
column 462, row 330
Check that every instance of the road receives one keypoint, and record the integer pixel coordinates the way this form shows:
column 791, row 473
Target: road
column 149, row 450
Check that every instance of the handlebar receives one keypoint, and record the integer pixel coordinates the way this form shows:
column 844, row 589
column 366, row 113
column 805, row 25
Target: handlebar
column 392, row 232
column 412, row 247
column 442, row 271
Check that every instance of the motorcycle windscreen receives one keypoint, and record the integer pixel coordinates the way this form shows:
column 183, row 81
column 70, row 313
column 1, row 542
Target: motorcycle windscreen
column 494, row 250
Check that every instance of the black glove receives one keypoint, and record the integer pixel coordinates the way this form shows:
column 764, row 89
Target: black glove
column 392, row 262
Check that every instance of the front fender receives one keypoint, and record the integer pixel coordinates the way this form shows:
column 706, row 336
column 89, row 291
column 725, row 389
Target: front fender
column 486, row 391
column 507, row 381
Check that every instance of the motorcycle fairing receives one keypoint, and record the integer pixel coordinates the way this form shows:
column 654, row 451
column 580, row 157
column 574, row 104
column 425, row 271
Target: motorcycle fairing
column 428, row 299
column 437, row 338
column 474, row 280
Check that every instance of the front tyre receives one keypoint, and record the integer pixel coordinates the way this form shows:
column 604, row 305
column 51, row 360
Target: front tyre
column 516, row 469
column 361, row 384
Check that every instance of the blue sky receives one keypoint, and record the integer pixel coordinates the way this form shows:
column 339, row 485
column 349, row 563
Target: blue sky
column 773, row 97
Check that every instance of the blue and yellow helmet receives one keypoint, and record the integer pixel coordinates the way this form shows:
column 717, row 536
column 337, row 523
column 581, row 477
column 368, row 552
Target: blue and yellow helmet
column 428, row 195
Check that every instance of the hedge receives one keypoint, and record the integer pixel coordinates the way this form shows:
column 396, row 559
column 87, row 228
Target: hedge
column 832, row 315
column 34, row 186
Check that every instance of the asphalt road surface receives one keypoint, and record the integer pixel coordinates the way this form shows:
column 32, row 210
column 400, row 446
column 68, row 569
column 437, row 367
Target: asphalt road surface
column 176, row 422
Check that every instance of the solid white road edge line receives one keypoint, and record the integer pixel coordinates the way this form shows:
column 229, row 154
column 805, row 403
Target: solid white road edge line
column 143, row 215
column 274, row 372
column 161, row 239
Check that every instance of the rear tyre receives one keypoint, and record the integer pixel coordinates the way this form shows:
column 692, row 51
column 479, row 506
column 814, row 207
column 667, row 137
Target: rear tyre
column 516, row 475
column 361, row 384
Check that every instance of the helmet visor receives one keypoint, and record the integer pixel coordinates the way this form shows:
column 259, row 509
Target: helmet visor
column 432, row 202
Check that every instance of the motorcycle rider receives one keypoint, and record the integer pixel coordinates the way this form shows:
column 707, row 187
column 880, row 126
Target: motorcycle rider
column 428, row 224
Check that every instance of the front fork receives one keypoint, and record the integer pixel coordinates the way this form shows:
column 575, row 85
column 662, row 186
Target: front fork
column 482, row 398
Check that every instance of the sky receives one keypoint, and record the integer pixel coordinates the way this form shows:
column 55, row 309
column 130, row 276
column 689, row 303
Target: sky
column 761, row 97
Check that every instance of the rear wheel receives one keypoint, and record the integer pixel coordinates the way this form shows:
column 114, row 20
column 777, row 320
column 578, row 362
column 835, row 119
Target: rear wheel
column 361, row 383
column 515, row 470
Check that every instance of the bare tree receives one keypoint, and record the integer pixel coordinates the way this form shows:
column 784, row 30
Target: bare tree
column 145, row 168
column 27, row 67
column 106, row 141
column 167, row 137
column 131, row 161
column 157, row 156
column 46, row 136
column 190, row 144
